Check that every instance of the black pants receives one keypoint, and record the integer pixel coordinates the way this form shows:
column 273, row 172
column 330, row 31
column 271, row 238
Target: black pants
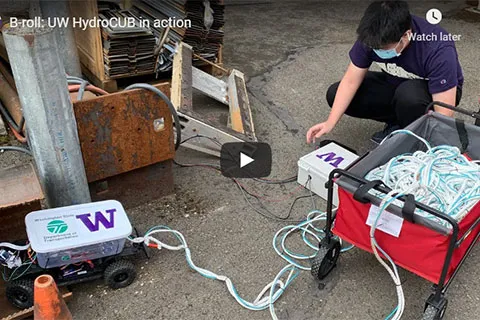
column 379, row 100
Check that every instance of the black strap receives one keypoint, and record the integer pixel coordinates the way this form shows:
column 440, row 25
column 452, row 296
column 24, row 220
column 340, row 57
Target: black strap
column 360, row 194
column 462, row 134
column 409, row 207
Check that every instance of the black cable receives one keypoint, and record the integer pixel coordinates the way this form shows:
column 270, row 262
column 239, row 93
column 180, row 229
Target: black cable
column 83, row 85
column 273, row 216
column 266, row 213
column 309, row 181
column 8, row 117
column 295, row 201
column 173, row 111
column 13, row 148
column 21, row 124
column 284, row 181
column 267, row 181
column 203, row 137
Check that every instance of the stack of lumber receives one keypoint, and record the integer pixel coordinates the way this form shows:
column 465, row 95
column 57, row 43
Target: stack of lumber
column 205, row 40
column 126, row 50
column 205, row 43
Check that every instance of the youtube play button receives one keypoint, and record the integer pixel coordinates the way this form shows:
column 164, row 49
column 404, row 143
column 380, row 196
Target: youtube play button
column 246, row 160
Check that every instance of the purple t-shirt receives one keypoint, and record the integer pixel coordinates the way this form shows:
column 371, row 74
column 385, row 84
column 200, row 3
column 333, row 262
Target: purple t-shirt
column 435, row 61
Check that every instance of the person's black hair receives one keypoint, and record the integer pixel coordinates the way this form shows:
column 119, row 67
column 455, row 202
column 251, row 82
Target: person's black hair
column 383, row 23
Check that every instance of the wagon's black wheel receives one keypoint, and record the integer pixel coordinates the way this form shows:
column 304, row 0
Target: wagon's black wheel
column 20, row 293
column 432, row 313
column 120, row 274
column 326, row 259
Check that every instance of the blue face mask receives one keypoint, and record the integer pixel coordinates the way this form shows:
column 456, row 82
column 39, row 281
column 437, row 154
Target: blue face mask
column 388, row 54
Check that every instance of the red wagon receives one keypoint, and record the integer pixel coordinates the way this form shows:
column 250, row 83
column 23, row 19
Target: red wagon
column 429, row 249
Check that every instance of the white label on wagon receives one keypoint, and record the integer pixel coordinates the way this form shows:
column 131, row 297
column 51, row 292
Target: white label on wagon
column 388, row 222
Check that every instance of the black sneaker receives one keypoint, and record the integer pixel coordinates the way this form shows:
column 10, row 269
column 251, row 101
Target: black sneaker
column 380, row 135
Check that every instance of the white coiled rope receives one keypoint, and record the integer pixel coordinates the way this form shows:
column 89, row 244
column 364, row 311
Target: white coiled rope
column 311, row 234
column 447, row 180
column 441, row 178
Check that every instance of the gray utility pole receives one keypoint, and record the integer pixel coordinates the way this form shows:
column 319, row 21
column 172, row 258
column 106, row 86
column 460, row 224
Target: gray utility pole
column 51, row 126
column 67, row 46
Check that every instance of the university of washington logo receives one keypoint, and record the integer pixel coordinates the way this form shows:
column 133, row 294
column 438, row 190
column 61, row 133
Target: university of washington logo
column 99, row 218
column 57, row 226
column 331, row 158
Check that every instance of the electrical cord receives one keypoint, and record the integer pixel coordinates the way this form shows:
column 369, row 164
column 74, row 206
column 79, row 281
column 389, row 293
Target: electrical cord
column 266, row 213
column 173, row 111
column 245, row 192
column 79, row 85
column 271, row 199
column 25, row 265
column 10, row 121
column 13, row 148
column 17, row 129
column 273, row 181
column 14, row 246
column 267, row 181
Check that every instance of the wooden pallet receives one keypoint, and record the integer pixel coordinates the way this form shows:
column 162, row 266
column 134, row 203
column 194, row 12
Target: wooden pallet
column 89, row 44
column 90, row 48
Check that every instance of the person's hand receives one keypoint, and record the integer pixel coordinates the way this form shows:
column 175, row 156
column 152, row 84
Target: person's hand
column 319, row 130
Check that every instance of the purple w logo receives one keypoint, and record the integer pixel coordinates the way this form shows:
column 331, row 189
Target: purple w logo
column 99, row 218
column 331, row 159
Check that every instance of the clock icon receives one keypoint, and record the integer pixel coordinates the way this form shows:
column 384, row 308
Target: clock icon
column 434, row 16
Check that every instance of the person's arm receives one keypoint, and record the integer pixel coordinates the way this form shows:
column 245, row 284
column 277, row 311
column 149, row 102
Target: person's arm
column 349, row 85
column 448, row 97
column 442, row 77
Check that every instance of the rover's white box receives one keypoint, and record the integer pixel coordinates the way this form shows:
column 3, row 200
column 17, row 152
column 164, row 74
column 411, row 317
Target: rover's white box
column 318, row 165
column 72, row 234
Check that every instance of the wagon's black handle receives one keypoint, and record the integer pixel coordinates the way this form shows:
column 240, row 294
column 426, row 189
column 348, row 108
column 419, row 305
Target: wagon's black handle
column 338, row 173
column 475, row 115
column 360, row 194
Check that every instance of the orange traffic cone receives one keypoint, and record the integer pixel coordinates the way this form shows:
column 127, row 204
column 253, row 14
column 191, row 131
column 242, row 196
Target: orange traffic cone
column 48, row 303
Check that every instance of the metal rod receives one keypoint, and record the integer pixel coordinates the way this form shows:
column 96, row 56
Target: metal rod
column 329, row 222
column 446, row 264
column 55, row 9
column 460, row 264
column 52, row 128
column 467, row 233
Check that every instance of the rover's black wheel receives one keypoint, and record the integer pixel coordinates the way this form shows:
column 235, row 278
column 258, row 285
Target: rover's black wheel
column 120, row 274
column 326, row 259
column 20, row 293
